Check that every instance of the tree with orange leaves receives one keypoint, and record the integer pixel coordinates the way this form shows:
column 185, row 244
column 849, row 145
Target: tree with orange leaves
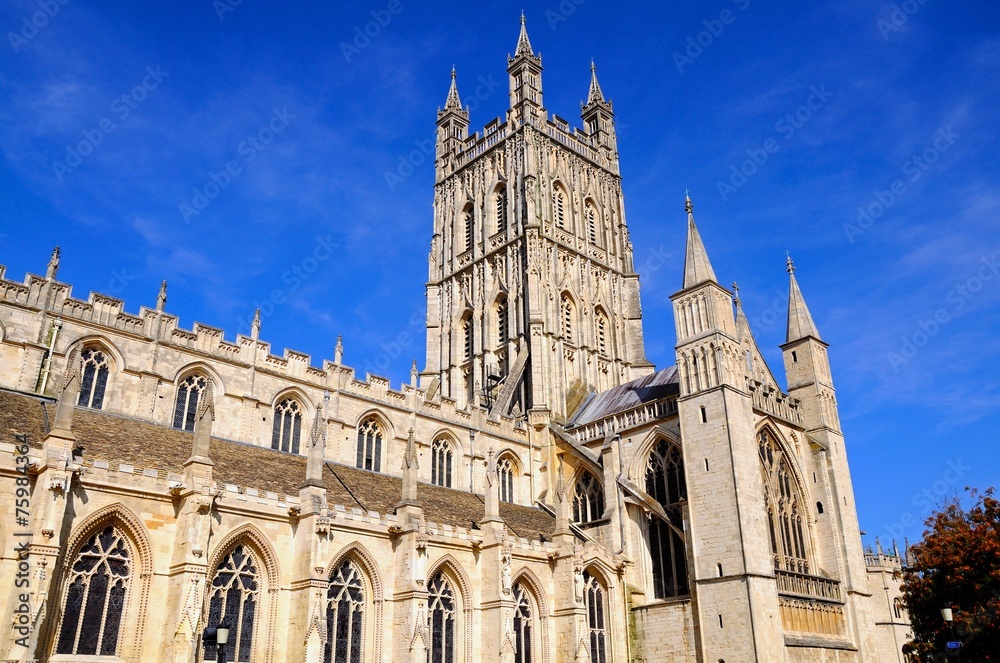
column 957, row 566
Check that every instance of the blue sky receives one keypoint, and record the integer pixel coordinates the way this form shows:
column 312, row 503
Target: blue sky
column 861, row 137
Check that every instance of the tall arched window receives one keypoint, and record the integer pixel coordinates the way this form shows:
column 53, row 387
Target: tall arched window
column 442, row 615
column 345, row 605
column 234, row 594
column 559, row 207
column 441, row 458
column 287, row 429
column 186, row 407
column 505, row 474
column 588, row 499
column 500, row 204
column 591, row 214
column 468, row 339
column 94, row 378
column 602, row 328
column 503, row 330
column 469, row 222
column 96, row 595
column 522, row 624
column 593, row 598
column 566, row 314
column 370, row 445
column 785, row 508
column 665, row 484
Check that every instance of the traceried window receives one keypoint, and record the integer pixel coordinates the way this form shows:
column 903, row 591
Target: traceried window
column 503, row 330
column 441, row 615
column 566, row 313
column 601, row 324
column 588, row 499
column 591, row 223
column 370, row 445
column 287, row 429
column 96, row 596
column 94, row 378
column 500, row 203
column 593, row 598
column 234, row 594
column 468, row 338
column 441, row 460
column 785, row 508
column 186, row 408
column 559, row 208
column 522, row 624
column 665, row 484
column 470, row 225
column 505, row 474
column 345, row 606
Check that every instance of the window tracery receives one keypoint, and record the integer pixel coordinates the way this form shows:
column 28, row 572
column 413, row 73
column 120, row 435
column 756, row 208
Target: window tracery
column 345, row 614
column 287, row 430
column 505, row 474
column 189, row 392
column 665, row 483
column 234, row 594
column 588, row 499
column 523, row 624
column 94, row 379
column 442, row 615
column 370, row 445
column 593, row 596
column 785, row 510
column 441, row 462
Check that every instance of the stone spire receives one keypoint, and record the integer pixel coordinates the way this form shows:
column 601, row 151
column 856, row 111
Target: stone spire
column 742, row 324
column 697, row 267
column 492, row 489
column 523, row 43
column 453, row 102
column 255, row 325
column 53, row 266
column 338, row 352
column 161, row 299
column 68, row 391
column 317, row 450
column 596, row 96
column 800, row 322
column 203, row 427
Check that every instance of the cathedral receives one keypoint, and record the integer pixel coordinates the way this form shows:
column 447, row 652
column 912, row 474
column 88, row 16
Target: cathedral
column 538, row 493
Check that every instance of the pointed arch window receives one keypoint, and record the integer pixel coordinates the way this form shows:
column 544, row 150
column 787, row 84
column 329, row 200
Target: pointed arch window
column 591, row 223
column 602, row 329
column 500, row 206
column 566, row 314
column 785, row 507
column 234, row 594
column 96, row 595
column 469, row 222
column 588, row 499
column 505, row 475
column 189, row 391
column 345, row 614
column 559, row 208
column 442, row 616
column 503, row 330
column 665, row 484
column 287, row 429
column 593, row 598
column 94, row 378
column 441, row 461
column 370, row 445
column 468, row 338
column 523, row 623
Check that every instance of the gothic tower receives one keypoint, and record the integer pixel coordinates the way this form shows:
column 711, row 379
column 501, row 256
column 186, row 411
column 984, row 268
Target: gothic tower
column 532, row 298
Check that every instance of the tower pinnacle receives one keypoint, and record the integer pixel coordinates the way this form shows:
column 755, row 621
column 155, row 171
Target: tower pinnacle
column 453, row 102
column 800, row 322
column 523, row 43
column 697, row 267
column 595, row 95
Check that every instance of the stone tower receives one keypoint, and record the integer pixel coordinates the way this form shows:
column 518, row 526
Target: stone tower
column 532, row 299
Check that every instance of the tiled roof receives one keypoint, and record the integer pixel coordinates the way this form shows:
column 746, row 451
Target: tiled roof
column 143, row 445
column 629, row 395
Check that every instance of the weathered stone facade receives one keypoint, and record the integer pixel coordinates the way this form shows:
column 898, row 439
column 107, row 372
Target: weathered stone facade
column 538, row 493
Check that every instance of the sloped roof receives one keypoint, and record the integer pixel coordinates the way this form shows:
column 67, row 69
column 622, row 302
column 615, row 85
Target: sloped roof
column 627, row 396
column 144, row 445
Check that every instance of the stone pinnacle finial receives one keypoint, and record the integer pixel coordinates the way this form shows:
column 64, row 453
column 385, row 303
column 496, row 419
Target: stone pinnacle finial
column 161, row 299
column 68, row 390
column 453, row 102
column 53, row 266
column 736, row 289
column 317, row 450
column 338, row 352
column 789, row 265
column 688, row 206
column 697, row 266
column 205, row 415
column 255, row 325
column 596, row 95
column 523, row 43
column 800, row 321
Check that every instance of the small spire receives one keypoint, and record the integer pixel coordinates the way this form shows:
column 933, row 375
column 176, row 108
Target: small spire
column 53, row 266
column 453, row 102
column 414, row 374
column 596, row 95
column 338, row 352
column 67, row 395
column 205, row 415
column 255, row 325
column 789, row 265
column 800, row 321
column 697, row 267
column 161, row 299
column 523, row 43
column 736, row 290
column 317, row 450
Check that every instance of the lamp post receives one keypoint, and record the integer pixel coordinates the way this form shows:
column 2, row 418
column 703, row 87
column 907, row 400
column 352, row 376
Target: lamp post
column 217, row 636
column 949, row 619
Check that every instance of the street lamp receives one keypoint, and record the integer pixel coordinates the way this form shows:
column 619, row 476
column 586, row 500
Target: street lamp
column 949, row 619
column 217, row 636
